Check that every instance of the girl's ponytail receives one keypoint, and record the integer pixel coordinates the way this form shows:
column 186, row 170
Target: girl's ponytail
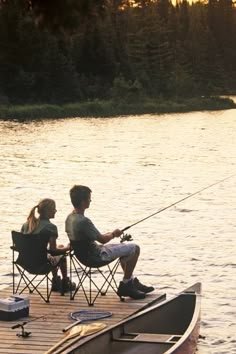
column 33, row 221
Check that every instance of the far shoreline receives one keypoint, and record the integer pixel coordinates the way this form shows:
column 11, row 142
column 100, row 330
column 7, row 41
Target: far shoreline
column 114, row 108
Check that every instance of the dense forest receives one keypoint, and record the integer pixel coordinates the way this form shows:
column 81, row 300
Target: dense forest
column 77, row 50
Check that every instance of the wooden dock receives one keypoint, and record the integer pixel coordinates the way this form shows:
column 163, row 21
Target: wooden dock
column 46, row 320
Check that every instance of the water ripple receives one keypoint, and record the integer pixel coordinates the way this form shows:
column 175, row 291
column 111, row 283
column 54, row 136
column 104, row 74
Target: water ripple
column 136, row 166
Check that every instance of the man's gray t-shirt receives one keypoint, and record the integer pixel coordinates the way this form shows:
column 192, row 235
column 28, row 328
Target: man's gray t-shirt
column 81, row 229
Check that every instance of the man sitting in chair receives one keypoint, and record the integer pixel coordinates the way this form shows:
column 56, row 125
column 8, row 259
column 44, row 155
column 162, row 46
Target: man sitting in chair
column 80, row 228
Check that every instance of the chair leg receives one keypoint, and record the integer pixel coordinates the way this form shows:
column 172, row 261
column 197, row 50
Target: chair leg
column 28, row 282
column 81, row 278
column 87, row 273
column 13, row 271
column 49, row 289
column 110, row 279
column 23, row 278
column 90, row 288
column 71, row 264
column 108, row 282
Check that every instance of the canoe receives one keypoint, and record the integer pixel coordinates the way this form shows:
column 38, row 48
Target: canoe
column 170, row 327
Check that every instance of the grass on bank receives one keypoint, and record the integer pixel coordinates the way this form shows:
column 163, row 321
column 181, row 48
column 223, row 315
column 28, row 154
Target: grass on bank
column 112, row 108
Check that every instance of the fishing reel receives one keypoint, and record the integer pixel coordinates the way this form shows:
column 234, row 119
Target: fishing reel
column 126, row 237
column 23, row 333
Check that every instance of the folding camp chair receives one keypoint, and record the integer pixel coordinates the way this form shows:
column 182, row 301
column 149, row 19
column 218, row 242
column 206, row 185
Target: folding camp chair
column 32, row 263
column 86, row 272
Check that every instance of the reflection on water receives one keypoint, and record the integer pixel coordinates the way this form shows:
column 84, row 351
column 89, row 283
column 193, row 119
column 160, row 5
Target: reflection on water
column 136, row 166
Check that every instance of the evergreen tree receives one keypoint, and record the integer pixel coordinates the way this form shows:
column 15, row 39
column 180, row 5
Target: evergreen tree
column 73, row 50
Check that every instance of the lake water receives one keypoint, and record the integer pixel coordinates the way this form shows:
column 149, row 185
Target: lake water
column 135, row 166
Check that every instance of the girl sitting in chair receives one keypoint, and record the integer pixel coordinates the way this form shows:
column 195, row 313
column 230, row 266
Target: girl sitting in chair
column 46, row 209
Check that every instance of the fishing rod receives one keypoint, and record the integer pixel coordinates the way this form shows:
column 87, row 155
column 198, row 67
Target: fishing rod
column 181, row 200
column 23, row 333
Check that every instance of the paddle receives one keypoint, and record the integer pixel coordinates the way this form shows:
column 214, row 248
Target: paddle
column 78, row 331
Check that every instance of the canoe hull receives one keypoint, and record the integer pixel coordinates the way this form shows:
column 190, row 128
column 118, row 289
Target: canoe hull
column 170, row 327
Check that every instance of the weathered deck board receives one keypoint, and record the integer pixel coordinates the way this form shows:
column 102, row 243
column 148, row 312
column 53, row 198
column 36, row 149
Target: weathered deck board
column 47, row 331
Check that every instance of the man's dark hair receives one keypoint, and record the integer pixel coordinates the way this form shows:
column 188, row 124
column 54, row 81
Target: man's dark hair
column 79, row 194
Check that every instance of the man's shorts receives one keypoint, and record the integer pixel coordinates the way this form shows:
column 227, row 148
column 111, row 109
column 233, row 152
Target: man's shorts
column 125, row 251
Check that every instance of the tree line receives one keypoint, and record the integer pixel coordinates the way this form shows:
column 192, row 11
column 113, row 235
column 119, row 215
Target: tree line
column 74, row 51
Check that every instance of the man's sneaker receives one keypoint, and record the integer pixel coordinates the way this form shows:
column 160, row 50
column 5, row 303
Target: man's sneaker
column 141, row 287
column 128, row 289
column 56, row 283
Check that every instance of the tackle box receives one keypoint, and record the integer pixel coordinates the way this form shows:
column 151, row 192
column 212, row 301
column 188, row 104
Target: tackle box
column 14, row 307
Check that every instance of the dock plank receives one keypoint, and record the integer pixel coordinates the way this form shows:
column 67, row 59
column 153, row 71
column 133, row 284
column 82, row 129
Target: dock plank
column 46, row 331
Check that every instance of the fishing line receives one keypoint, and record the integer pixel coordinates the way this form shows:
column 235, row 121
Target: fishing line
column 181, row 200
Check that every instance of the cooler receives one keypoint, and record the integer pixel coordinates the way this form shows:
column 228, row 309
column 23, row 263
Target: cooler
column 14, row 307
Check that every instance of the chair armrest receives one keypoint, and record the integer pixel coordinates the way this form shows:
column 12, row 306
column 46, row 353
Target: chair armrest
column 57, row 252
column 13, row 248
